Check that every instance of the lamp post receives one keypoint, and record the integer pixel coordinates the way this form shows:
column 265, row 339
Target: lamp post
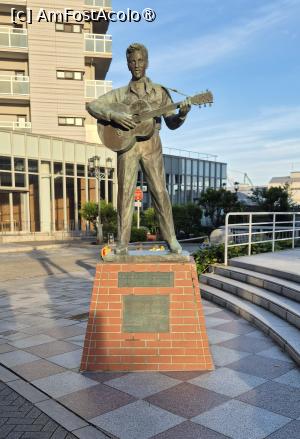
column 94, row 168
column 236, row 186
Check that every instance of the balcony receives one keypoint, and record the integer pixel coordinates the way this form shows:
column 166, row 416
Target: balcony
column 98, row 3
column 14, row 87
column 94, row 89
column 98, row 44
column 14, row 38
column 14, row 125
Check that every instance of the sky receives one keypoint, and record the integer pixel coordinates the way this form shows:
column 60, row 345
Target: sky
column 247, row 52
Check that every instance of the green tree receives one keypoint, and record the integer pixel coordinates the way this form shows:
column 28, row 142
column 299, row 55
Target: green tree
column 89, row 212
column 216, row 203
column 273, row 199
column 187, row 218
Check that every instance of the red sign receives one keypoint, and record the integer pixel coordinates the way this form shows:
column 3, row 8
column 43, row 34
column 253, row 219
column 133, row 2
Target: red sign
column 138, row 194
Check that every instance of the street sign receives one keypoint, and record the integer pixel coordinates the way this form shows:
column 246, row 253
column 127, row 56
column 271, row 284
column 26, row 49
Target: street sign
column 138, row 194
column 137, row 204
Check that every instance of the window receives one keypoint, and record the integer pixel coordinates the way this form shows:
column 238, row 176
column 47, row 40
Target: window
column 5, row 179
column 68, row 27
column 58, row 168
column 33, row 166
column 19, row 164
column 20, row 180
column 80, row 170
column 66, row 74
column 71, row 121
column 69, row 169
column 5, row 163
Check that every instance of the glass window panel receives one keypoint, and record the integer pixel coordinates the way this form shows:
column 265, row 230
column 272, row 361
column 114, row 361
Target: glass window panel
column 189, row 166
column 76, row 28
column 78, row 75
column 79, row 121
column 33, row 166
column 70, row 203
column 62, row 120
column 69, row 169
column 212, row 169
column 224, row 171
column 206, row 169
column 80, row 170
column 19, row 164
column 59, row 203
column 59, row 27
column 5, row 163
column 218, row 170
column 58, row 168
column 68, row 27
column 70, row 120
column 201, row 168
column 5, row 179
column 34, row 209
column 195, row 167
column 20, row 180
column 60, row 74
column 69, row 75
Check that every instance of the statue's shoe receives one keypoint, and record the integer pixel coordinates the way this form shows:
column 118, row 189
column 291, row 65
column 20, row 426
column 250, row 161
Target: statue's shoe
column 174, row 246
column 121, row 249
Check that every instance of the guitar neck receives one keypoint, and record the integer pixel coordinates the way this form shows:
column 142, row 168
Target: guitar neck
column 159, row 111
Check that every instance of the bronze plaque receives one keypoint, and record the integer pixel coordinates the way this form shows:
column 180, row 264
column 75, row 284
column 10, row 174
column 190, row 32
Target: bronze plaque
column 145, row 279
column 146, row 313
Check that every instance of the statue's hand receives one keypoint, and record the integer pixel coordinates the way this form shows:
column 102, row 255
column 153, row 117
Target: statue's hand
column 185, row 107
column 123, row 119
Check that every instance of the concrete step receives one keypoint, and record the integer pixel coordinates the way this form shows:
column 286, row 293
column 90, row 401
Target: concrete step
column 275, row 284
column 282, row 332
column 265, row 270
column 285, row 308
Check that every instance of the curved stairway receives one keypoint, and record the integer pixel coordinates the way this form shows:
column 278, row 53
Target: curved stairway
column 266, row 297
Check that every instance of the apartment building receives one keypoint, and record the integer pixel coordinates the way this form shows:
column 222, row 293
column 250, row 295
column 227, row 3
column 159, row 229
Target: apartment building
column 293, row 182
column 48, row 73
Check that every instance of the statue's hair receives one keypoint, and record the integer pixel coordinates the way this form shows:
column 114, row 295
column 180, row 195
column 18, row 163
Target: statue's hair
column 134, row 47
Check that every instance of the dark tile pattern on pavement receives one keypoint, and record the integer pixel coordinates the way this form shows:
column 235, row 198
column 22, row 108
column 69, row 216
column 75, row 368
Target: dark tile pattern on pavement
column 19, row 418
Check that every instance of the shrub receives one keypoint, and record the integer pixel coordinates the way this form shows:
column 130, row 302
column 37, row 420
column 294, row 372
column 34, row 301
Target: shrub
column 138, row 235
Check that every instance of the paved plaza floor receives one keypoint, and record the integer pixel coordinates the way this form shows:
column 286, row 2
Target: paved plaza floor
column 254, row 392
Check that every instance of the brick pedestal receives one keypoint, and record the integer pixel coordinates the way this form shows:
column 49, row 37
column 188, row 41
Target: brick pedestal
column 146, row 317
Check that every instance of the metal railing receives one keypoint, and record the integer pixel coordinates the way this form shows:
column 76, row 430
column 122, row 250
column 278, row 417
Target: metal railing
column 189, row 154
column 261, row 227
column 97, row 43
column 15, row 125
column 98, row 3
column 13, row 37
column 94, row 88
column 14, row 85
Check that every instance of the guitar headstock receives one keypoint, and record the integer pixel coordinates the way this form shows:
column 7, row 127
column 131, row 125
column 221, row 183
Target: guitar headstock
column 203, row 98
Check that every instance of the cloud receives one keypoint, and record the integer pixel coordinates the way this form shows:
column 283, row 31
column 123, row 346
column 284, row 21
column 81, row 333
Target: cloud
column 199, row 52
column 262, row 145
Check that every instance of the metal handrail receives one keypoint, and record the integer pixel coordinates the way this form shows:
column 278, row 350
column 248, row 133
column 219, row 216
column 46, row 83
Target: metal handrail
column 14, row 85
column 98, row 43
column 15, row 125
column 95, row 88
column 98, row 3
column 13, row 37
column 270, row 227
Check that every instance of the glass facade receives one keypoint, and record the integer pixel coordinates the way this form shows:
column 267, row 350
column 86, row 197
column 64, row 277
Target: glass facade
column 39, row 195
column 186, row 178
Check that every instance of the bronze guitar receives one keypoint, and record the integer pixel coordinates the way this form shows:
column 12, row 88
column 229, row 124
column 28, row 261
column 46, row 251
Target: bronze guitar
column 120, row 139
